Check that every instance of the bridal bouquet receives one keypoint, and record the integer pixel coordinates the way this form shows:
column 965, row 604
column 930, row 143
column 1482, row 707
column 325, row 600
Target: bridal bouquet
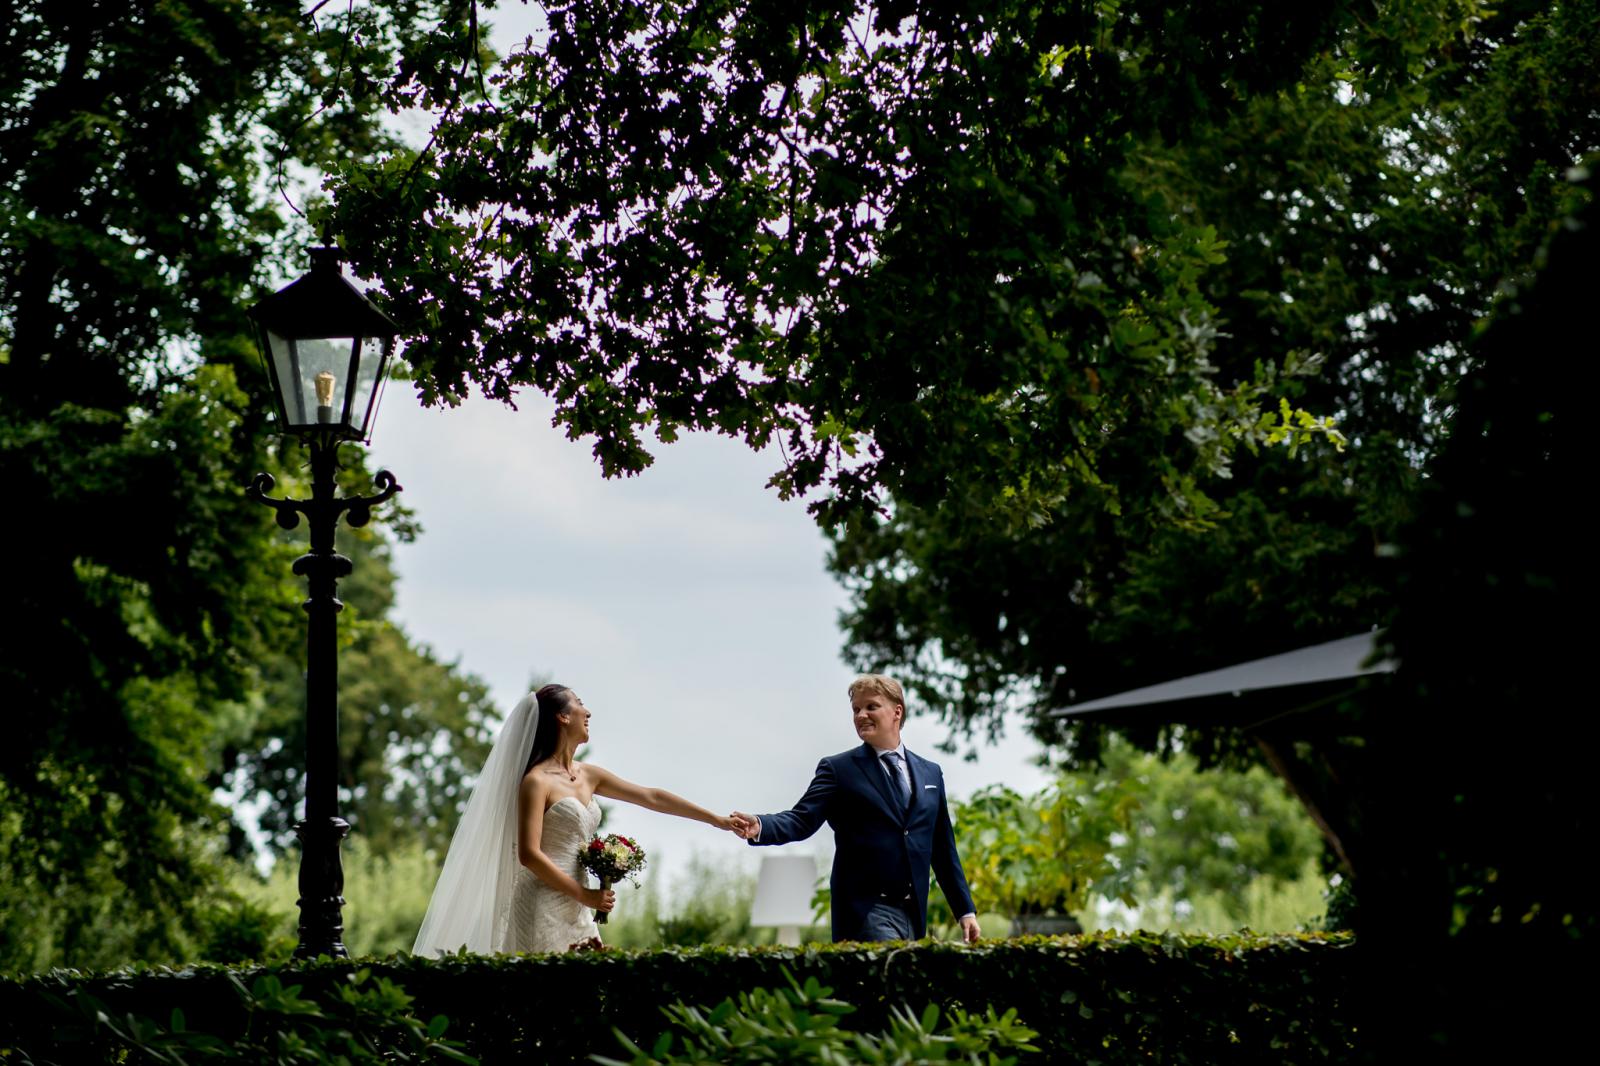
column 611, row 858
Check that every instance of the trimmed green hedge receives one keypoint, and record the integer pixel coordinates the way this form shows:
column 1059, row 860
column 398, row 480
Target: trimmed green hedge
column 1092, row 999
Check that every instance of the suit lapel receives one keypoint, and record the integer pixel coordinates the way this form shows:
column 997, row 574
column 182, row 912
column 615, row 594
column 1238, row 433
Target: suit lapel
column 868, row 758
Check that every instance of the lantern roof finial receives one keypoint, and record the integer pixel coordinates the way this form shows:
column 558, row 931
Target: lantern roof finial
column 325, row 257
column 323, row 304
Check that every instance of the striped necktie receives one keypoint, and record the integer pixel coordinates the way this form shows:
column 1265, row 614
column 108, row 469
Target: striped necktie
column 902, row 787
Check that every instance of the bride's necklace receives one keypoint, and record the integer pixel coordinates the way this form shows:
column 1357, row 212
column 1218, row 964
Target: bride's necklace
column 564, row 772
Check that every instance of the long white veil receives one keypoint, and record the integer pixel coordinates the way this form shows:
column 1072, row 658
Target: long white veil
column 471, row 902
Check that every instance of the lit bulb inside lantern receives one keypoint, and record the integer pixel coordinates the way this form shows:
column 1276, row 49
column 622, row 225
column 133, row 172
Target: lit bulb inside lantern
column 324, row 385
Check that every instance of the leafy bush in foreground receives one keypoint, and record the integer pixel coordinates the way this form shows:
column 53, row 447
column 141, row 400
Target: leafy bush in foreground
column 800, row 1024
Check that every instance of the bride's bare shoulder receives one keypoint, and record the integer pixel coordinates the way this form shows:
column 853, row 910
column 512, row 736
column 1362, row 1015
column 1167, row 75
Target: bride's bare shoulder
column 533, row 786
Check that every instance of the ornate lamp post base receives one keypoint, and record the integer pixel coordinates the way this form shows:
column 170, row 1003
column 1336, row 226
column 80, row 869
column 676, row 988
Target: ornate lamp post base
column 321, row 885
column 321, row 872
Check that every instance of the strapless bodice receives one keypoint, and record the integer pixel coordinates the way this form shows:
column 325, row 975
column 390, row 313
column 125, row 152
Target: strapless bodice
column 568, row 826
column 543, row 919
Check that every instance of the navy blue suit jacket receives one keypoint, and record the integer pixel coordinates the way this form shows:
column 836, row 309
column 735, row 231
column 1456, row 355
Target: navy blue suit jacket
column 881, row 850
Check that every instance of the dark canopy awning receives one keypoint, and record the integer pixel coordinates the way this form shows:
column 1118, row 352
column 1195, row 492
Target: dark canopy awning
column 1249, row 692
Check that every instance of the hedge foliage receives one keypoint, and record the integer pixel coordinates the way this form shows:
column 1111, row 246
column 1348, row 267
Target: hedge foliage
column 801, row 1024
column 1119, row 998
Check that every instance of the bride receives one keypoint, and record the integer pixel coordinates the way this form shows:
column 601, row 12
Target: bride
column 511, row 880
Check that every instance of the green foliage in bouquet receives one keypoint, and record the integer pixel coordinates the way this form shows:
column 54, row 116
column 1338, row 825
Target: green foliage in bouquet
column 800, row 1024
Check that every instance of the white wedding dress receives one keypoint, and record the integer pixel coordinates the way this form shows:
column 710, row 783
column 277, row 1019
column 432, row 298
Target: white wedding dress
column 485, row 900
column 541, row 918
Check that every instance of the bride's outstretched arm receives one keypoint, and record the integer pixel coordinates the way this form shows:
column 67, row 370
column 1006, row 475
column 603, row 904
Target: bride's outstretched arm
column 611, row 786
column 530, row 829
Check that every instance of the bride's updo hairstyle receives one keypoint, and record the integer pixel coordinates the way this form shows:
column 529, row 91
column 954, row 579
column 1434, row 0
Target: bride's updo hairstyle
column 553, row 699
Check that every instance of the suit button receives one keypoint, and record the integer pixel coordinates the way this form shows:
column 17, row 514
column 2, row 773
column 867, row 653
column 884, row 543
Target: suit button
column 906, row 833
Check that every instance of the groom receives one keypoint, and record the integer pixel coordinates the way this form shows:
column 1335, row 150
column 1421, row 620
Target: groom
column 890, row 825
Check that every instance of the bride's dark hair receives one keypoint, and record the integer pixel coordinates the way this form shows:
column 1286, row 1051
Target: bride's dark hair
column 553, row 699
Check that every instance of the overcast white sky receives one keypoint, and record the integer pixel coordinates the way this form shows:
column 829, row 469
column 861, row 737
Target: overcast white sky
column 688, row 606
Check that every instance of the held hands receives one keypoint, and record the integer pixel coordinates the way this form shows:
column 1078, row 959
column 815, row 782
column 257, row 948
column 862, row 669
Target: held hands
column 598, row 900
column 744, row 826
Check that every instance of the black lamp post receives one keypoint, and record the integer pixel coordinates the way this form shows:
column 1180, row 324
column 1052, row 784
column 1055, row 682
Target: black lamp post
column 326, row 348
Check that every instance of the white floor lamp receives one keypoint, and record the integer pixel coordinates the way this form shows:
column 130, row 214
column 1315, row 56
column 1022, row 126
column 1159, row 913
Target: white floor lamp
column 783, row 895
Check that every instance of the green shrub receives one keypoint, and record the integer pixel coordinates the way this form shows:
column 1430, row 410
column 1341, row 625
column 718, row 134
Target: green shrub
column 690, row 929
column 388, row 892
column 1262, row 904
column 360, row 1019
column 800, row 1024
column 1342, row 907
column 240, row 930
column 75, row 910
column 713, row 907
column 1112, row 998
column 1174, row 847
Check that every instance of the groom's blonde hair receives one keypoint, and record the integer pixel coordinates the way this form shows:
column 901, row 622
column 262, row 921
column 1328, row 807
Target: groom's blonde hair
column 882, row 685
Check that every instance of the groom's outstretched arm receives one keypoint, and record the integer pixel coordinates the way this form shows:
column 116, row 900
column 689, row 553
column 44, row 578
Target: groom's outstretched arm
column 805, row 817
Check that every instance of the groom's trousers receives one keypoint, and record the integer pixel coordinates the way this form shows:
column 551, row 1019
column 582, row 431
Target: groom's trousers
column 887, row 921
